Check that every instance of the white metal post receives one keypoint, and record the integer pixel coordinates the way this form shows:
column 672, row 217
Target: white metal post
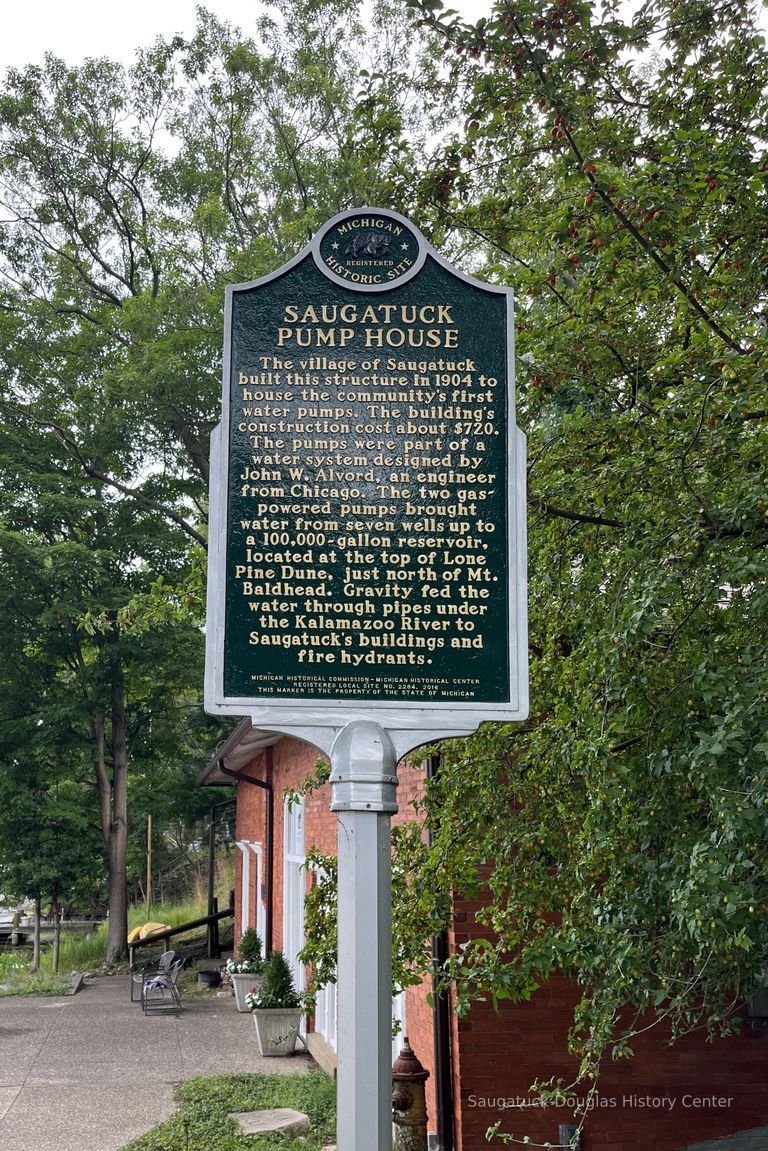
column 364, row 787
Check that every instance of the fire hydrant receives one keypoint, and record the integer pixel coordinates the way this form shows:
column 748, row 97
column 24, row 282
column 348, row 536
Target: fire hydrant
column 409, row 1104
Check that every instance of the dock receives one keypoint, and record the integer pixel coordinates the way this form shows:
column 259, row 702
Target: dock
column 17, row 931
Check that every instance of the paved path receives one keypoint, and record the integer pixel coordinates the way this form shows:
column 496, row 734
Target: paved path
column 90, row 1072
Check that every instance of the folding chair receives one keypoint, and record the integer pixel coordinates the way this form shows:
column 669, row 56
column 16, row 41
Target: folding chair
column 159, row 993
column 159, row 966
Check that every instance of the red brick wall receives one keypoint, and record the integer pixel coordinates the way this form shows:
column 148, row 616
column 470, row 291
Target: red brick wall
column 250, row 824
column 498, row 1055
column 286, row 766
column 649, row 1102
column 292, row 761
column 419, row 1018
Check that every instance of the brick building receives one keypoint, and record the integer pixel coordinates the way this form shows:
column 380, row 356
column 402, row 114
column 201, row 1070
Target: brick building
column 698, row 1095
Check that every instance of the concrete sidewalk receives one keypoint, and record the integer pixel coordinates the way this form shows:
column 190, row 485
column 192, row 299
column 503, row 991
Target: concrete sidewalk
column 90, row 1072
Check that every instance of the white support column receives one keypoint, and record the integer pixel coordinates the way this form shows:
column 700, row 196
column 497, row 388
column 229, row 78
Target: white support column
column 245, row 886
column 260, row 910
column 364, row 786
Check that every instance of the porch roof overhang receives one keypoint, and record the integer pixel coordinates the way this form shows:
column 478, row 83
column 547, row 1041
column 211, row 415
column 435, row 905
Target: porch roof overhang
column 235, row 752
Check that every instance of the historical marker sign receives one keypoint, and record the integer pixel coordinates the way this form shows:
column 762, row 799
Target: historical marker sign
column 367, row 499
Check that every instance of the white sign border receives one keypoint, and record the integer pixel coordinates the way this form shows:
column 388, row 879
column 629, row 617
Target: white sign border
column 445, row 717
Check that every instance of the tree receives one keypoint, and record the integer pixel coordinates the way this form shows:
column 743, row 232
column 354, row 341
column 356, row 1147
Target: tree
column 48, row 851
column 130, row 198
column 82, row 698
column 613, row 168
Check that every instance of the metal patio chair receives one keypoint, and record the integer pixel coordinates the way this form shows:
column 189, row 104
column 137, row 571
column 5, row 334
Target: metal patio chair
column 159, row 993
column 159, row 966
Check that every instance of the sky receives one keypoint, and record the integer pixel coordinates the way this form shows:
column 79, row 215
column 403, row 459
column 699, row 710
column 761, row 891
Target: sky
column 74, row 29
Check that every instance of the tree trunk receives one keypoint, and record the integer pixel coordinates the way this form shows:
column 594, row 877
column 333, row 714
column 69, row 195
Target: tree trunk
column 56, row 936
column 36, row 943
column 117, row 941
column 149, row 868
column 113, row 800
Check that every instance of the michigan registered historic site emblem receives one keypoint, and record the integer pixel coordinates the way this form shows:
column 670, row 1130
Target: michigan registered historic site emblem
column 369, row 250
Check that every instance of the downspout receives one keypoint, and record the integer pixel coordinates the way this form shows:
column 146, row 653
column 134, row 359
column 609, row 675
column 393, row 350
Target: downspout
column 269, row 833
column 442, row 1028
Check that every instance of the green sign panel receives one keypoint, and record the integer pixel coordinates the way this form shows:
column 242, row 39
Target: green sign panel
column 367, row 548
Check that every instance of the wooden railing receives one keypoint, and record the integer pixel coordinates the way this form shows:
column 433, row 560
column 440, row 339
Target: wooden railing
column 209, row 921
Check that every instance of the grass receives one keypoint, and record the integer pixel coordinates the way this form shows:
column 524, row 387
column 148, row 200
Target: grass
column 202, row 1121
column 172, row 913
column 79, row 953
column 87, row 951
column 18, row 978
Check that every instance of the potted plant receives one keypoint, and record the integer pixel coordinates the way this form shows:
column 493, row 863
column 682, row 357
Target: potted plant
column 245, row 971
column 277, row 1008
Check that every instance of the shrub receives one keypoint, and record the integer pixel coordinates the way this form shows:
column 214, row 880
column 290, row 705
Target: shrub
column 249, row 958
column 277, row 986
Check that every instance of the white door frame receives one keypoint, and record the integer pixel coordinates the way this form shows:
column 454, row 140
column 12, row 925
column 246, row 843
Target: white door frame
column 294, row 886
column 245, row 886
column 261, row 911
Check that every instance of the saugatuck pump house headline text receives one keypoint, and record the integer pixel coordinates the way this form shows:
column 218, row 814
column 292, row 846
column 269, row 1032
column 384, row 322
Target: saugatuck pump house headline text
column 367, row 545
column 383, row 326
